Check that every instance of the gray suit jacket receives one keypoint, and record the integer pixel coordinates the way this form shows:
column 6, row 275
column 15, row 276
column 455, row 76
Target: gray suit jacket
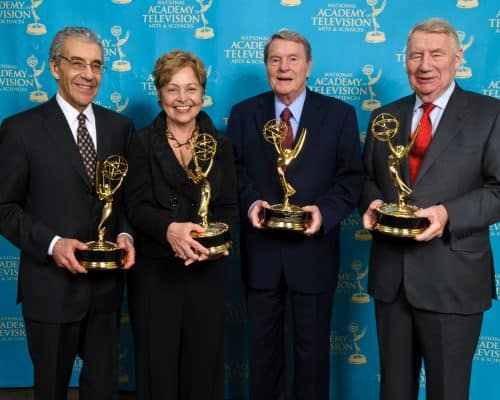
column 461, row 170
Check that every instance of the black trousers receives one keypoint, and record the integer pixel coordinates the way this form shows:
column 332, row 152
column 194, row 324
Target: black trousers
column 177, row 316
column 311, row 315
column 446, row 343
column 54, row 346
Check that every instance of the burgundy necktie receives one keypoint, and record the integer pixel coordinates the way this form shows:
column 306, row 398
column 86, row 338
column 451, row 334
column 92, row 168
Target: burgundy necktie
column 86, row 147
column 423, row 141
column 287, row 141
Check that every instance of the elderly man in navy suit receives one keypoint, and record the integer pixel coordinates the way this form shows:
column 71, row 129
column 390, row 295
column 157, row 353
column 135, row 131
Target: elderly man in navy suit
column 327, row 177
column 49, row 209
column 430, row 292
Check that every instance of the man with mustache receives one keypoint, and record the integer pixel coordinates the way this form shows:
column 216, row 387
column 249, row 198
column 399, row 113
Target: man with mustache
column 49, row 209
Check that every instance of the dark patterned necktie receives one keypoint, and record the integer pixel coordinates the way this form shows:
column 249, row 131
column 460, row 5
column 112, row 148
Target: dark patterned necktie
column 86, row 147
column 423, row 141
column 287, row 141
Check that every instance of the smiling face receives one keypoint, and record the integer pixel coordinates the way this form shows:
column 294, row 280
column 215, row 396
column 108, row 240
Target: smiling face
column 432, row 60
column 182, row 97
column 287, row 69
column 78, row 88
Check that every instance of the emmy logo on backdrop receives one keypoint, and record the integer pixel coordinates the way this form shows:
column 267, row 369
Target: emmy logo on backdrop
column 361, row 296
column 120, row 65
column 121, row 1
column 362, row 235
column 36, row 28
column 464, row 72
column 396, row 219
column 372, row 103
column 467, row 3
column 123, row 352
column 290, row 3
column 38, row 96
column 115, row 98
column 357, row 358
column 375, row 36
column 205, row 31
column 216, row 235
column 284, row 215
column 101, row 254
column 207, row 100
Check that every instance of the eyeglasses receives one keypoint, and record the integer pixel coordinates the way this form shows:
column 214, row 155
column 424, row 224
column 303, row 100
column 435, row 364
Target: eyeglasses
column 78, row 64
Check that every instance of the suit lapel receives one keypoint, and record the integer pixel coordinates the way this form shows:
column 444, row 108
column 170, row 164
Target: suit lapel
column 166, row 169
column 404, row 115
column 265, row 112
column 59, row 132
column 448, row 127
column 103, row 140
column 310, row 119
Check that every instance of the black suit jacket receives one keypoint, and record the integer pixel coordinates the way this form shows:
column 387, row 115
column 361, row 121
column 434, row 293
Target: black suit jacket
column 461, row 170
column 327, row 173
column 46, row 192
column 158, row 191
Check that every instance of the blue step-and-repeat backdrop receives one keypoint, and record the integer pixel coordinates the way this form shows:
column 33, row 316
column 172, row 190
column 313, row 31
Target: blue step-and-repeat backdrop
column 358, row 56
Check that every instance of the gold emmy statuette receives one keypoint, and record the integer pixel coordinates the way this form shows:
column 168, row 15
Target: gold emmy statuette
column 396, row 219
column 101, row 254
column 284, row 215
column 216, row 236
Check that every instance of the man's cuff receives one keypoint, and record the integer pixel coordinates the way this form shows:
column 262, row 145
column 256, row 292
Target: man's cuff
column 127, row 234
column 250, row 208
column 52, row 244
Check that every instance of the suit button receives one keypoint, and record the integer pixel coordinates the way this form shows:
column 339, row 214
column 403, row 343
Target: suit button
column 172, row 203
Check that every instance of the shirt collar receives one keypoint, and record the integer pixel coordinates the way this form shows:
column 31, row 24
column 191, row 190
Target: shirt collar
column 296, row 107
column 441, row 101
column 71, row 113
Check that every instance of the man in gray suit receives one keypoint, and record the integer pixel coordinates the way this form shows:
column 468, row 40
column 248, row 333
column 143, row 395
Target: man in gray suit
column 430, row 293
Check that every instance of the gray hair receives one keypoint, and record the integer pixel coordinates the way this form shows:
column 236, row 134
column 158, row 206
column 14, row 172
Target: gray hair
column 291, row 36
column 436, row 25
column 57, row 45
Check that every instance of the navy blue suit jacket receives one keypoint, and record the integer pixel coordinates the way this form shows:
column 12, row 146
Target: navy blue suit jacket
column 326, row 173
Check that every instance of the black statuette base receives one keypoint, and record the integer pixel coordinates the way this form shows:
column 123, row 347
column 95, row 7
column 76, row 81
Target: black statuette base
column 215, row 238
column 100, row 256
column 291, row 218
column 400, row 221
